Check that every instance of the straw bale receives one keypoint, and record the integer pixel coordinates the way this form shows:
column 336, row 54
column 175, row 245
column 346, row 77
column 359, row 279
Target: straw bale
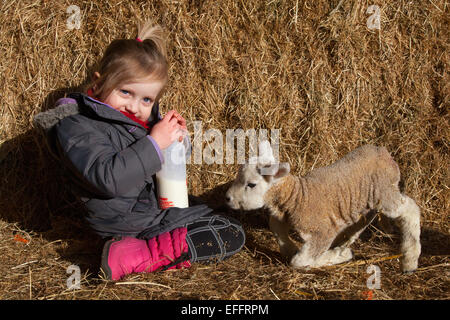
column 311, row 68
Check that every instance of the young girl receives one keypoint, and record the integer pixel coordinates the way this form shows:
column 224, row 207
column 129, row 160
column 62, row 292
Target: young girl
column 112, row 141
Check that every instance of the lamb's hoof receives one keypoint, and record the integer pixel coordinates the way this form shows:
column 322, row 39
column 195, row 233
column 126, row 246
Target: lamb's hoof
column 408, row 267
column 343, row 255
column 300, row 267
column 408, row 272
column 346, row 254
column 298, row 263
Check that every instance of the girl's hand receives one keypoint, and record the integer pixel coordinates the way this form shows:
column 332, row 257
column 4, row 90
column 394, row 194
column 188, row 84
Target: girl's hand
column 166, row 131
column 182, row 124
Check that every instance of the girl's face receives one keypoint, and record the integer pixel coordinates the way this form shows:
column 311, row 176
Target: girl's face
column 136, row 98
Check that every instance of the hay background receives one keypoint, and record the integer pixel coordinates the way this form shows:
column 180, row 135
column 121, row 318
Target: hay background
column 321, row 76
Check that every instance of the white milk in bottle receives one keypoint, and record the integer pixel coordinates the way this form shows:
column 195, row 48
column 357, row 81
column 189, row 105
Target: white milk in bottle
column 171, row 179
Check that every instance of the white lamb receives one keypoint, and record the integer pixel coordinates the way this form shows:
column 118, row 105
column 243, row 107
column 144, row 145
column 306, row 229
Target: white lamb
column 328, row 204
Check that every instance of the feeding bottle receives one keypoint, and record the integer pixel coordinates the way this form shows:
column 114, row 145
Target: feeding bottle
column 171, row 179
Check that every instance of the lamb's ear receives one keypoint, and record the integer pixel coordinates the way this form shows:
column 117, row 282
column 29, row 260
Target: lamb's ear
column 265, row 153
column 283, row 170
column 267, row 170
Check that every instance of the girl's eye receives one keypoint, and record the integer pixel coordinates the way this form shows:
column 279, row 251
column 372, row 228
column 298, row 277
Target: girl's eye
column 124, row 91
column 147, row 100
column 251, row 185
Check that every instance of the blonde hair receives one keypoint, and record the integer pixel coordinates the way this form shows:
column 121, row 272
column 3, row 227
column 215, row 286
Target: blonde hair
column 127, row 60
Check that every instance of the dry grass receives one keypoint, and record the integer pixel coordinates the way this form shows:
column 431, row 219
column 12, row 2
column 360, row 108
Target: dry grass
column 321, row 76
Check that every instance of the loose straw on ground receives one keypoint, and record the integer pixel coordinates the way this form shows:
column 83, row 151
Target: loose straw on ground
column 142, row 282
column 362, row 262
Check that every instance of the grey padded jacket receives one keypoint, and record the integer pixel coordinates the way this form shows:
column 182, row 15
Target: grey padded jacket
column 115, row 160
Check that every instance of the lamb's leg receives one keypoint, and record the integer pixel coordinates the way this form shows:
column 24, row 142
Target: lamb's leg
column 315, row 253
column 353, row 238
column 355, row 230
column 407, row 216
column 304, row 257
column 334, row 256
column 281, row 229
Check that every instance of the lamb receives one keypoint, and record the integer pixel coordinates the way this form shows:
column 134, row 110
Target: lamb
column 330, row 206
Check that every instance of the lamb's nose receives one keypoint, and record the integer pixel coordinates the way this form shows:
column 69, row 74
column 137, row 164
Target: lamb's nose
column 227, row 198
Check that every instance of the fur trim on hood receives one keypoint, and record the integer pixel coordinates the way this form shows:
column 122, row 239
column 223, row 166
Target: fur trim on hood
column 64, row 107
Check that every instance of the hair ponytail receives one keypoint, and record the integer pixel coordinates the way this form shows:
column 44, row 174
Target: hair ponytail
column 148, row 31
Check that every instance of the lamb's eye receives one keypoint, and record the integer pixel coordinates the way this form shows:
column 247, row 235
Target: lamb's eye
column 251, row 185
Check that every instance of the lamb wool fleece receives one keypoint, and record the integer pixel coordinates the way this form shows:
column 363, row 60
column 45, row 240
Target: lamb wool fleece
column 330, row 198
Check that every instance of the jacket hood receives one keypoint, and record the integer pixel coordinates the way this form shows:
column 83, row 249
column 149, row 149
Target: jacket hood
column 49, row 118
column 81, row 103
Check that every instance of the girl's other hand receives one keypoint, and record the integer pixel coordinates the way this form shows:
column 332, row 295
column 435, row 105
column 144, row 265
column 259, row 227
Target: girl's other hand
column 169, row 129
column 181, row 122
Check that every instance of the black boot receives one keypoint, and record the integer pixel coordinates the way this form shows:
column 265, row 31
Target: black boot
column 214, row 237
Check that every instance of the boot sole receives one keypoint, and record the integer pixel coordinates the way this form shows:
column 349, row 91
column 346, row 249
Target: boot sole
column 104, row 261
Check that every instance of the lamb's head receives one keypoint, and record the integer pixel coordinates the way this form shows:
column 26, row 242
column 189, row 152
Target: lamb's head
column 254, row 179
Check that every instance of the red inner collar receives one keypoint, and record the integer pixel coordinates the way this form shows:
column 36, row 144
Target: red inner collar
column 133, row 117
